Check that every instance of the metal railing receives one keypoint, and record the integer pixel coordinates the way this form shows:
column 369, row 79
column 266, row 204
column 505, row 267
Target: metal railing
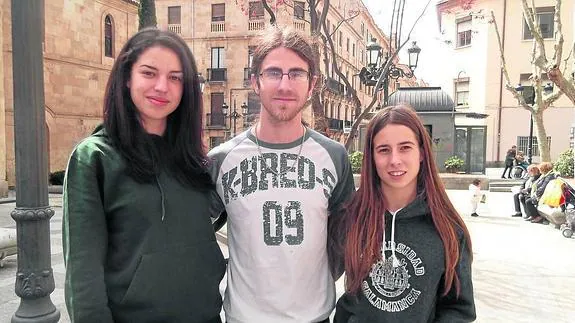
column 217, row 74
column 335, row 124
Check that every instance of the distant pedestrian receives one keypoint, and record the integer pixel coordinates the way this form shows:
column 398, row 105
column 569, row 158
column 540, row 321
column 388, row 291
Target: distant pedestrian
column 407, row 251
column 475, row 196
column 139, row 245
column 509, row 160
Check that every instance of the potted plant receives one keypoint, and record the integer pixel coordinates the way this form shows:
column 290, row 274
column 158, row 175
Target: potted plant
column 454, row 164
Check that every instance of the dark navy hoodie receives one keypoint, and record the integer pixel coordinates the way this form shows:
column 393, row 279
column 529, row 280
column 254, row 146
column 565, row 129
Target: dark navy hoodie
column 406, row 285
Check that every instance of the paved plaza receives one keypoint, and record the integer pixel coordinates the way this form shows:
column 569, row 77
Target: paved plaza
column 522, row 272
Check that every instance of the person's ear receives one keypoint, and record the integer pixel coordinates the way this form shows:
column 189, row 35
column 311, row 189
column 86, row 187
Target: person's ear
column 312, row 85
column 255, row 84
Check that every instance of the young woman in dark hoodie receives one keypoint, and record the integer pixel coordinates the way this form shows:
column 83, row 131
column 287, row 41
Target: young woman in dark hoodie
column 139, row 245
column 407, row 250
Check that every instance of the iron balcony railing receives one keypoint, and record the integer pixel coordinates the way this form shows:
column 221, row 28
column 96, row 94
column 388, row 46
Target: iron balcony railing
column 217, row 74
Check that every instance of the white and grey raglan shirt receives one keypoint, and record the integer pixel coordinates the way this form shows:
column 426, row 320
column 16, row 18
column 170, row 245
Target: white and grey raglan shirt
column 278, row 200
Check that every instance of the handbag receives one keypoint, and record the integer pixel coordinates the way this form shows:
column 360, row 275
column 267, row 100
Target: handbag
column 553, row 194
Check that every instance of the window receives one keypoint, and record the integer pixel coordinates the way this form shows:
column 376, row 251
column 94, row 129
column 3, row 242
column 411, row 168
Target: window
column 464, row 32
column 523, row 144
column 218, row 57
column 347, row 45
column 327, row 24
column 362, row 28
column 340, row 39
column 298, row 9
column 361, row 56
column 217, row 116
column 219, row 12
column 353, row 49
column 462, row 91
column 174, row 15
column 256, row 10
column 108, row 37
column 546, row 24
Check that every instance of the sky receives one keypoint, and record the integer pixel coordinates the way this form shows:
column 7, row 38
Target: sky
column 427, row 34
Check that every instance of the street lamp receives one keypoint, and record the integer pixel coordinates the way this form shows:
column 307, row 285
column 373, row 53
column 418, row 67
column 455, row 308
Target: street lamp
column 528, row 93
column 234, row 115
column 202, row 81
column 376, row 61
column 34, row 278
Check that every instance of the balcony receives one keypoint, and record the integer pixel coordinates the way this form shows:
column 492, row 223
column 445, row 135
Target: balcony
column 256, row 24
column 175, row 28
column 335, row 86
column 216, row 120
column 335, row 124
column 218, row 26
column 299, row 24
column 217, row 74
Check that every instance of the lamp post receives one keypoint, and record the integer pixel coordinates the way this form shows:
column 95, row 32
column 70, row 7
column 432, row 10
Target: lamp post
column 528, row 93
column 376, row 61
column 34, row 278
column 234, row 115
column 202, row 81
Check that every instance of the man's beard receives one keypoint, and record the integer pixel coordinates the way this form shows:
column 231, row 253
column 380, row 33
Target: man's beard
column 283, row 114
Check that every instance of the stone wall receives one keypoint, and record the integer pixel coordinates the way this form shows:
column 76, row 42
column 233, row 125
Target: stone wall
column 75, row 72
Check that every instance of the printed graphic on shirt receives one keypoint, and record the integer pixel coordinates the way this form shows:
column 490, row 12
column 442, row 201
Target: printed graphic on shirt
column 282, row 221
column 388, row 287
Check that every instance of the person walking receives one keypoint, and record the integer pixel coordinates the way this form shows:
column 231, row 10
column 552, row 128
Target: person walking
column 509, row 161
column 134, row 248
column 281, row 184
column 408, row 253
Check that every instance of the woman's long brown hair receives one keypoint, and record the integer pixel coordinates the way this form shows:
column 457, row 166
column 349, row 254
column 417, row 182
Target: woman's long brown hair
column 364, row 215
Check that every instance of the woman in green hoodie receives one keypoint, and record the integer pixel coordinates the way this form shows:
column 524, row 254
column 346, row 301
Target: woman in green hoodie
column 139, row 245
column 407, row 250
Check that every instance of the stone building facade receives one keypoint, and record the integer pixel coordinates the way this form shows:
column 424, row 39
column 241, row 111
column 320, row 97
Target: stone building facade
column 221, row 34
column 81, row 39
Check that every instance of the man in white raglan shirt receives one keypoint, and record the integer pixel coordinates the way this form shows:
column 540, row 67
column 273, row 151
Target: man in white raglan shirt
column 279, row 182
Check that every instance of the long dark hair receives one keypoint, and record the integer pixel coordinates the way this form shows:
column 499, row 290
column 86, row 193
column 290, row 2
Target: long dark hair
column 186, row 157
column 365, row 224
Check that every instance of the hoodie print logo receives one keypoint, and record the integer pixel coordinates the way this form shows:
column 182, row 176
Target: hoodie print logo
column 388, row 288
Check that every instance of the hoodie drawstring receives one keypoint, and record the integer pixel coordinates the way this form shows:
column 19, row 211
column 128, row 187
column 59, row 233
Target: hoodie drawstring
column 394, row 260
column 161, row 197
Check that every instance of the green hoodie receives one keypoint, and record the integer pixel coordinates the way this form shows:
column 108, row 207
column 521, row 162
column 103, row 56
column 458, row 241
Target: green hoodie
column 136, row 252
column 407, row 285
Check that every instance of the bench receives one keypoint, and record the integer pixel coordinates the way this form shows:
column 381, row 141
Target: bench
column 8, row 244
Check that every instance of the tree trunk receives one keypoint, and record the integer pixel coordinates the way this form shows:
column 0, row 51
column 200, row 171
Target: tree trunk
column 541, row 136
column 147, row 14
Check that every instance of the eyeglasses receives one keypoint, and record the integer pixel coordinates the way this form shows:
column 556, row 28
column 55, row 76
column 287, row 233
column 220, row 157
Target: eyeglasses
column 276, row 75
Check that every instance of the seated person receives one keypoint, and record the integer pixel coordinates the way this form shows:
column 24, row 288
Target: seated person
column 537, row 191
column 525, row 190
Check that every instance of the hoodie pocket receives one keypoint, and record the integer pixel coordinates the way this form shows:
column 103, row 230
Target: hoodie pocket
column 182, row 282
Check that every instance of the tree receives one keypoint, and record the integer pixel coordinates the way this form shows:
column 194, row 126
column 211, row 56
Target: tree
column 147, row 14
column 396, row 44
column 540, row 64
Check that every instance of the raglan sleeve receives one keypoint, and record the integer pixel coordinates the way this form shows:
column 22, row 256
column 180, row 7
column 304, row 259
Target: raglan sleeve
column 216, row 208
column 342, row 193
column 451, row 307
column 85, row 241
